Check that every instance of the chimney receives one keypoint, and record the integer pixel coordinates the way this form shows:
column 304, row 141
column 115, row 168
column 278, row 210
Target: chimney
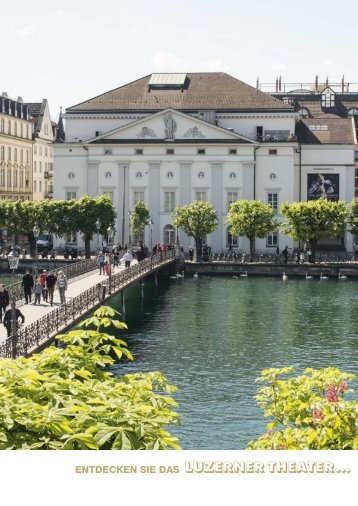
column 4, row 94
column 20, row 100
column 343, row 84
column 257, row 83
column 316, row 84
column 276, row 84
column 327, row 81
column 279, row 83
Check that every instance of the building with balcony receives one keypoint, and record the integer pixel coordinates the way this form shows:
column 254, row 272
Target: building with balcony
column 43, row 134
column 170, row 139
column 15, row 149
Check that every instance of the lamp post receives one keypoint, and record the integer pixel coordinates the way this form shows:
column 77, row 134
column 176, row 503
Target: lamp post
column 110, row 234
column 98, row 226
column 151, row 223
column 36, row 232
column 13, row 259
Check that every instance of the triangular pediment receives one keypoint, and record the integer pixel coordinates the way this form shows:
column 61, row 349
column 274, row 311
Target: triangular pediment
column 170, row 125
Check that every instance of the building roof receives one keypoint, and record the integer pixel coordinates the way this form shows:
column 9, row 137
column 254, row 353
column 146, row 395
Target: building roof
column 325, row 130
column 201, row 91
column 37, row 111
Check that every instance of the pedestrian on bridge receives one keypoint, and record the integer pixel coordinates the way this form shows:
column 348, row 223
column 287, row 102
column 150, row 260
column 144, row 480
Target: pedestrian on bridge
column 43, row 278
column 127, row 257
column 4, row 300
column 27, row 284
column 51, row 284
column 62, row 286
column 12, row 315
column 101, row 260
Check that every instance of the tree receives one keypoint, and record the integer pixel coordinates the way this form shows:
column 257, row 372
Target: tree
column 308, row 412
column 139, row 218
column 197, row 219
column 353, row 216
column 86, row 211
column 314, row 220
column 66, row 398
column 251, row 218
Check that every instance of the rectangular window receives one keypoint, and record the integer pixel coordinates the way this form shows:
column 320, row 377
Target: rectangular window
column 70, row 195
column 272, row 240
column 45, row 151
column 276, row 135
column 35, row 149
column 40, row 186
column 138, row 197
column 71, row 238
column 200, row 196
column 232, row 151
column 40, row 167
column 201, row 151
column 272, row 199
column 35, row 186
column 170, row 151
column 231, row 197
column 139, row 151
column 272, row 151
column 35, row 166
column 40, row 150
column 169, row 202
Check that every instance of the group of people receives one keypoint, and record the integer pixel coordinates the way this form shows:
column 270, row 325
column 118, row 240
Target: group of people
column 44, row 285
column 298, row 257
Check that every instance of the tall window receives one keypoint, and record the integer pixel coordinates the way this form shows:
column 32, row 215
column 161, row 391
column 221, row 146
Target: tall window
column 21, row 155
column 35, row 186
column 272, row 199
column 27, row 156
column 2, row 177
column 9, row 154
column 35, row 166
column 15, row 155
column 138, row 197
column 40, row 167
column 21, row 178
column 46, row 151
column 231, row 197
column 9, row 178
column 327, row 99
column 200, row 196
column 272, row 239
column 71, row 238
column 169, row 234
column 15, row 177
column 70, row 195
column 27, row 131
column 2, row 153
column 40, row 150
column 15, row 129
column 40, row 186
column 35, row 149
column 2, row 125
column 9, row 127
column 169, row 202
column 21, row 130
column 231, row 240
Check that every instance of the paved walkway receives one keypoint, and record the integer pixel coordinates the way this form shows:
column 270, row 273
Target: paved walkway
column 75, row 287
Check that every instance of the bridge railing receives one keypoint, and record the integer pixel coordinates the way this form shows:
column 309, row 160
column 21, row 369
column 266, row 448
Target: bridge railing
column 71, row 271
column 31, row 337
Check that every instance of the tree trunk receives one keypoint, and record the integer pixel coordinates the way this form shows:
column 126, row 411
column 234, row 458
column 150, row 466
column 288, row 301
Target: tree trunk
column 313, row 244
column 198, row 248
column 32, row 243
column 252, row 248
column 87, row 247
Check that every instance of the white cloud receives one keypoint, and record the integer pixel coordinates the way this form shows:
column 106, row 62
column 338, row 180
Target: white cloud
column 278, row 66
column 163, row 61
column 59, row 12
column 215, row 65
column 22, row 31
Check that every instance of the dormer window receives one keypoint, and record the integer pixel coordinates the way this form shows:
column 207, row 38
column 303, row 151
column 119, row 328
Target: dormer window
column 327, row 99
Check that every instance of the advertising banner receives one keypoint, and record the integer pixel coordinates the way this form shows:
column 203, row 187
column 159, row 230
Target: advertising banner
column 323, row 185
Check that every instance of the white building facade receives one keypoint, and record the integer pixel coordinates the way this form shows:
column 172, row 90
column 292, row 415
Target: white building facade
column 171, row 139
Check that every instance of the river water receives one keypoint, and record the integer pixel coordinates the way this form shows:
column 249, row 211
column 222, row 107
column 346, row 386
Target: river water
column 212, row 337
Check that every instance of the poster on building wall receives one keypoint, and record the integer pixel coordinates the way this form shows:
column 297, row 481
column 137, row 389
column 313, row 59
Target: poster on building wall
column 323, row 186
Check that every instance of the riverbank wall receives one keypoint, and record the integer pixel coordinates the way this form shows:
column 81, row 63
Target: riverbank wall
column 332, row 270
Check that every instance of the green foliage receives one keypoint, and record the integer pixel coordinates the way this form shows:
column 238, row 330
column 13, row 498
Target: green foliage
column 308, row 412
column 67, row 399
column 314, row 220
column 197, row 219
column 251, row 218
column 139, row 217
column 353, row 217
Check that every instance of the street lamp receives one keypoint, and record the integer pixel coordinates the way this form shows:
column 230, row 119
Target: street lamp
column 98, row 226
column 151, row 223
column 110, row 234
column 36, row 232
column 13, row 259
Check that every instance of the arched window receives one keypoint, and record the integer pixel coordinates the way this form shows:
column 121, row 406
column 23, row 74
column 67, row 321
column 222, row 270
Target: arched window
column 2, row 126
column 15, row 177
column 21, row 155
column 21, row 130
column 15, row 129
column 231, row 240
column 27, row 131
column 9, row 127
column 353, row 112
column 21, row 178
column 27, row 156
column 2, row 177
column 304, row 113
column 169, row 234
column 2, row 153
column 8, row 178
column 15, row 155
column 9, row 154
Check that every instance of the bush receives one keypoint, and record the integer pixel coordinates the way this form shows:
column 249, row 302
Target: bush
column 309, row 412
column 65, row 399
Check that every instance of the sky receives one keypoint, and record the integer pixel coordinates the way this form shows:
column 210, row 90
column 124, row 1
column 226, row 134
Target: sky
column 71, row 51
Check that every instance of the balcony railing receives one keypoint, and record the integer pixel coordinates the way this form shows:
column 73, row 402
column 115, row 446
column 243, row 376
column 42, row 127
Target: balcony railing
column 48, row 174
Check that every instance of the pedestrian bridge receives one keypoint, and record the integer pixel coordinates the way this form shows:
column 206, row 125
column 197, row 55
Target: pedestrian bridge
column 40, row 332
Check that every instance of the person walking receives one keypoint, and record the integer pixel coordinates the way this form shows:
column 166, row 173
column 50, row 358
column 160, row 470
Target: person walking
column 285, row 255
column 191, row 253
column 27, row 284
column 44, row 287
column 51, row 284
column 101, row 261
column 127, row 257
column 62, row 286
column 4, row 300
column 38, row 291
column 13, row 314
